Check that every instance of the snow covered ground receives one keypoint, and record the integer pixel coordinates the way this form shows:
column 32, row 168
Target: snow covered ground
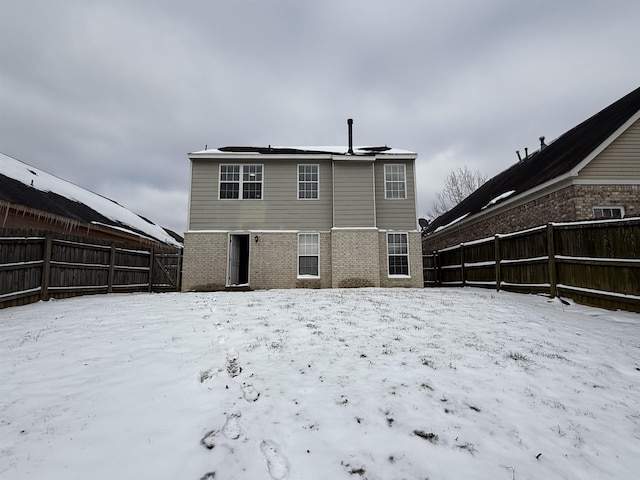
column 319, row 384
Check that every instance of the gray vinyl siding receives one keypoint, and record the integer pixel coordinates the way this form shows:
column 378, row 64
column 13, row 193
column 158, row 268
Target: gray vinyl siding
column 397, row 214
column 279, row 209
column 619, row 161
column 353, row 194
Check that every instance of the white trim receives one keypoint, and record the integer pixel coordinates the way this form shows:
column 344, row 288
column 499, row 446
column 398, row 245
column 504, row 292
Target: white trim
column 317, row 165
column 228, row 272
column 373, row 191
column 599, row 149
column 353, row 228
column 310, row 277
column 408, row 274
column 619, row 208
column 252, row 231
column 404, row 181
column 579, row 181
column 241, row 180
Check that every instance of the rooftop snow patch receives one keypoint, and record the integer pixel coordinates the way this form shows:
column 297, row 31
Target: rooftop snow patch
column 121, row 217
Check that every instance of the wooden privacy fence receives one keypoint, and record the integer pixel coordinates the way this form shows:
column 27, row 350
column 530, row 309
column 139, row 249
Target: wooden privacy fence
column 40, row 265
column 595, row 263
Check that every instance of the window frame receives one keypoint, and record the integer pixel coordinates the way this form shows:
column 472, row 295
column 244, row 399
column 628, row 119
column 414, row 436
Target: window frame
column 299, row 182
column 395, row 254
column 241, row 182
column 611, row 208
column 388, row 182
column 305, row 255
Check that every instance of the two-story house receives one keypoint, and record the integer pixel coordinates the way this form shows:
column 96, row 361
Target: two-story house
column 315, row 217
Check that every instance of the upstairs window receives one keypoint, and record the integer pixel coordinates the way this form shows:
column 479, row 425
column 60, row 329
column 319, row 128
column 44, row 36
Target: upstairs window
column 608, row 212
column 241, row 178
column 307, row 182
column 397, row 254
column 308, row 254
column 394, row 181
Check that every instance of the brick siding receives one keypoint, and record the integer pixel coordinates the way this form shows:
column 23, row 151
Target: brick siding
column 573, row 203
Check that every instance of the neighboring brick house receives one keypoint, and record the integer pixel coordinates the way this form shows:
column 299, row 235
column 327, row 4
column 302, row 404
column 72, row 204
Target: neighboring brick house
column 590, row 172
column 32, row 199
column 315, row 217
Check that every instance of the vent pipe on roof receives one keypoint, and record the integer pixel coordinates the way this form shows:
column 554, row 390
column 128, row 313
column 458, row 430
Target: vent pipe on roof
column 526, row 152
column 542, row 144
column 350, row 124
column 519, row 157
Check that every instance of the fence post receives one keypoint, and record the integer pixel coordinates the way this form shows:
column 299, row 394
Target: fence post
column 179, row 271
column 46, row 266
column 497, row 258
column 112, row 267
column 462, row 272
column 552, row 261
column 151, row 260
column 436, row 268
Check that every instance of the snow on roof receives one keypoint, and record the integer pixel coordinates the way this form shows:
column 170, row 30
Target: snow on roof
column 304, row 150
column 498, row 198
column 43, row 181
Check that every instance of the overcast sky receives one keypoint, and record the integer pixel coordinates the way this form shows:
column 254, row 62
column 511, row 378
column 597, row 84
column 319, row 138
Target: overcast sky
column 112, row 95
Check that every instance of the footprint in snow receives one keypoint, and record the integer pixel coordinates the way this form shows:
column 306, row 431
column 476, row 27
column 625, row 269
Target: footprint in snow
column 208, row 440
column 250, row 393
column 233, row 359
column 231, row 428
column 277, row 463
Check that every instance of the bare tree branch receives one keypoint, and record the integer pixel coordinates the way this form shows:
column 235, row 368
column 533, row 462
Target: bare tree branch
column 458, row 185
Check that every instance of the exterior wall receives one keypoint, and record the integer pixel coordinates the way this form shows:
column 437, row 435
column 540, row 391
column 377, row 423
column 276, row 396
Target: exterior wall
column 353, row 252
column 415, row 263
column 204, row 263
column 619, row 160
column 589, row 196
column 398, row 214
column 274, row 262
column 354, row 258
column 279, row 207
column 353, row 193
column 569, row 204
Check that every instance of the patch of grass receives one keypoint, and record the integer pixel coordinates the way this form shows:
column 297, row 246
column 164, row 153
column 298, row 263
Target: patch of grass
column 429, row 436
column 518, row 357
column 469, row 447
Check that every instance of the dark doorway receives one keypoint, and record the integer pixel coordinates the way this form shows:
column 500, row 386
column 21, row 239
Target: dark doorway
column 238, row 268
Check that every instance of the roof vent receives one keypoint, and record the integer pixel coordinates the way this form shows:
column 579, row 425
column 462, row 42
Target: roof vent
column 542, row 144
column 350, row 125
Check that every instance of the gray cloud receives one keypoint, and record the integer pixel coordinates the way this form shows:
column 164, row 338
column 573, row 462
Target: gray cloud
column 112, row 95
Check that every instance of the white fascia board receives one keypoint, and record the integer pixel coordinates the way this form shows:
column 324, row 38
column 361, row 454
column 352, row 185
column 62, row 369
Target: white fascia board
column 613, row 181
column 598, row 150
column 333, row 229
column 253, row 156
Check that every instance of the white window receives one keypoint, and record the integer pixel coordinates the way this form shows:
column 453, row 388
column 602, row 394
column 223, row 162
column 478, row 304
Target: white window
column 398, row 254
column 608, row 212
column 394, row 181
column 240, row 178
column 308, row 254
column 307, row 182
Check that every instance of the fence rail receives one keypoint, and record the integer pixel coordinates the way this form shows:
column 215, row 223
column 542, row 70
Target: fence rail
column 596, row 263
column 37, row 265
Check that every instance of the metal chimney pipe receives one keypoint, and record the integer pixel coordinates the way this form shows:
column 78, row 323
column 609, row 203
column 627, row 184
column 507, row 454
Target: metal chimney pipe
column 350, row 124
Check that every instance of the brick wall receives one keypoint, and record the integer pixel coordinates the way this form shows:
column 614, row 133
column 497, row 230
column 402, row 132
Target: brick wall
column 348, row 258
column 204, row 263
column 274, row 262
column 354, row 258
column 415, row 263
column 569, row 204
column 589, row 196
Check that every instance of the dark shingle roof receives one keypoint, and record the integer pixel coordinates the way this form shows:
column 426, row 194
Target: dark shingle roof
column 556, row 159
